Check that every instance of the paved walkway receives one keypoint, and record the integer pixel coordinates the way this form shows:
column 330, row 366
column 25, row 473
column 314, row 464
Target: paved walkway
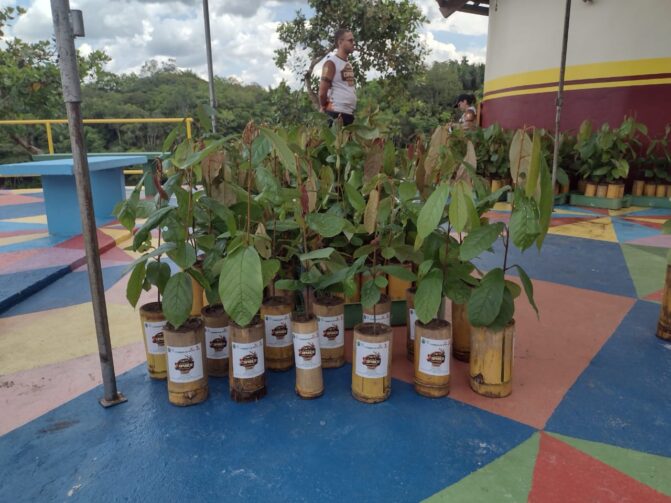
column 589, row 418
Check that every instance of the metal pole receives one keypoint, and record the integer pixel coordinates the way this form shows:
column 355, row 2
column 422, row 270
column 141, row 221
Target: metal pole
column 210, row 73
column 560, row 91
column 67, row 61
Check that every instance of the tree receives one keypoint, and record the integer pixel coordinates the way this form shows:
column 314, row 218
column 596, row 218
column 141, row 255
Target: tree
column 385, row 31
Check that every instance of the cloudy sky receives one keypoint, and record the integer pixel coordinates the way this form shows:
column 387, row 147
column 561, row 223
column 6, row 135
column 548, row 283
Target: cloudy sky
column 243, row 33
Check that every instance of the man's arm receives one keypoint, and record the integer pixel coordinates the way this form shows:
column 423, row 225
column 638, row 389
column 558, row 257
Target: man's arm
column 328, row 72
column 469, row 120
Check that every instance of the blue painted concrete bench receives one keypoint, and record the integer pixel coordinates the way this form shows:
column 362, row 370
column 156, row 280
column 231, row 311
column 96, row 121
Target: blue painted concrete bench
column 60, row 195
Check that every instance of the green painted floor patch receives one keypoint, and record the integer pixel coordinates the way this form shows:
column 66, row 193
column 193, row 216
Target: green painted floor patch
column 508, row 478
column 650, row 469
column 647, row 266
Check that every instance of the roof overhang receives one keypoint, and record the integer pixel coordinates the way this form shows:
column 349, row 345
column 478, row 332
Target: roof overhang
column 449, row 7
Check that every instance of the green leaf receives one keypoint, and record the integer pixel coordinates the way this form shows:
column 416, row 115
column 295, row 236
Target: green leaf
column 283, row 225
column 381, row 281
column 134, row 286
column 506, row 312
column 524, row 223
column 534, row 164
column 269, row 269
column 241, row 285
column 125, row 213
column 322, row 253
column 355, row 198
column 429, row 295
column 152, row 222
column 327, row 225
column 158, row 273
column 424, row 268
column 528, row 287
column 177, row 299
column 288, row 284
column 480, row 240
column 431, row 213
column 283, row 151
column 514, row 289
column 370, row 294
column 184, row 255
column 485, row 302
column 459, row 211
column 545, row 203
column 407, row 191
column 399, row 272
column 164, row 248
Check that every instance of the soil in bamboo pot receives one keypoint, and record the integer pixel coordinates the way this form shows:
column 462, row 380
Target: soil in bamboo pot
column 187, row 365
column 491, row 360
column 153, row 321
column 379, row 313
column 397, row 287
column 279, row 350
column 461, row 332
column 371, row 362
column 411, row 318
column 664, row 324
column 217, row 340
column 309, row 380
column 330, row 314
column 246, row 373
column 432, row 365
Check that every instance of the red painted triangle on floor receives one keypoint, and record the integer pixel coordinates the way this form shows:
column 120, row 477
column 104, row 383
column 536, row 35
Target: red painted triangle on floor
column 655, row 296
column 558, row 221
column 563, row 473
column 651, row 225
column 105, row 242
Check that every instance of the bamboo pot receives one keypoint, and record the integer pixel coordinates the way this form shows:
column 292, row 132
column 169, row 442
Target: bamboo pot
column 152, row 322
column 461, row 332
column 217, row 340
column 371, row 362
column 246, row 373
column 660, row 191
column 601, row 190
column 496, row 184
column 590, row 189
column 637, row 188
column 198, row 292
column 432, row 362
column 664, row 324
column 491, row 361
column 613, row 190
column 309, row 380
column 564, row 189
column 621, row 190
column 379, row 313
column 668, row 191
column 411, row 318
column 186, row 360
column 650, row 189
column 330, row 314
column 279, row 350
column 397, row 287
column 582, row 186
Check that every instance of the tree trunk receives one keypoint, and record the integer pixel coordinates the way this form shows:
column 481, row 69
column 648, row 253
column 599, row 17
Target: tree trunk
column 25, row 144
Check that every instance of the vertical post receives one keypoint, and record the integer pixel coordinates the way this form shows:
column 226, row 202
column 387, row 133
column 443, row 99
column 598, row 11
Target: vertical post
column 210, row 72
column 50, row 138
column 560, row 91
column 67, row 61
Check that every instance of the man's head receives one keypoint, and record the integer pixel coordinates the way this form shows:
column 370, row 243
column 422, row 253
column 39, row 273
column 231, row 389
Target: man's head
column 344, row 41
column 464, row 101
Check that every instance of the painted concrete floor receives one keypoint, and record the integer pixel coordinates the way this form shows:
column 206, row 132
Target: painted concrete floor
column 589, row 418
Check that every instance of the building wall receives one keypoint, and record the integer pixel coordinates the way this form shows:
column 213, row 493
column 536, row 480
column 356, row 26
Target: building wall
column 618, row 63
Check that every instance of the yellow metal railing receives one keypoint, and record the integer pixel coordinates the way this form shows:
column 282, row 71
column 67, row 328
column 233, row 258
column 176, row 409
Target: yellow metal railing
column 48, row 122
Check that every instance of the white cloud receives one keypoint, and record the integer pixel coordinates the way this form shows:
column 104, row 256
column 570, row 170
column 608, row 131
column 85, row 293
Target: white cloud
column 441, row 51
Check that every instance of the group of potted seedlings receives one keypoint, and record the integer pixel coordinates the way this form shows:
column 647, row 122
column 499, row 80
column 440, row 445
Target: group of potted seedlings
column 269, row 233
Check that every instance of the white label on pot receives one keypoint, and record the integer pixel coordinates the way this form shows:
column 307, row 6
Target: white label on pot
column 247, row 359
column 217, row 343
column 153, row 333
column 384, row 318
column 413, row 318
column 372, row 358
column 185, row 364
column 306, row 351
column 278, row 330
column 331, row 331
column 434, row 356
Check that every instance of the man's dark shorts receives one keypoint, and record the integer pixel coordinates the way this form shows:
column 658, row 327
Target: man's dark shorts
column 347, row 119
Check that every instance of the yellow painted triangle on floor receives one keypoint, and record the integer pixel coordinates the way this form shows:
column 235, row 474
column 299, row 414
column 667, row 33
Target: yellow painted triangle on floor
column 599, row 228
column 560, row 211
column 502, row 206
column 22, row 238
column 26, row 191
column 56, row 335
column 623, row 211
column 37, row 219
column 119, row 235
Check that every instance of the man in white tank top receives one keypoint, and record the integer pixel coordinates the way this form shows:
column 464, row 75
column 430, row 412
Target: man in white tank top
column 337, row 96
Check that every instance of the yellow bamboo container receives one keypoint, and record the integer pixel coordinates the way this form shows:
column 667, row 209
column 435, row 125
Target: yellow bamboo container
column 152, row 322
column 198, row 292
column 582, row 186
column 660, row 191
column 279, row 350
column 411, row 318
column 590, row 189
column 621, row 190
column 564, row 189
column 397, row 287
column 309, row 379
column 186, row 360
column 371, row 362
column 491, row 361
column 668, row 191
column 613, row 190
column 432, row 364
column 330, row 314
column 637, row 187
column 461, row 332
column 664, row 324
column 496, row 184
column 217, row 343
column 650, row 189
column 379, row 313
column 601, row 190
column 246, row 373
